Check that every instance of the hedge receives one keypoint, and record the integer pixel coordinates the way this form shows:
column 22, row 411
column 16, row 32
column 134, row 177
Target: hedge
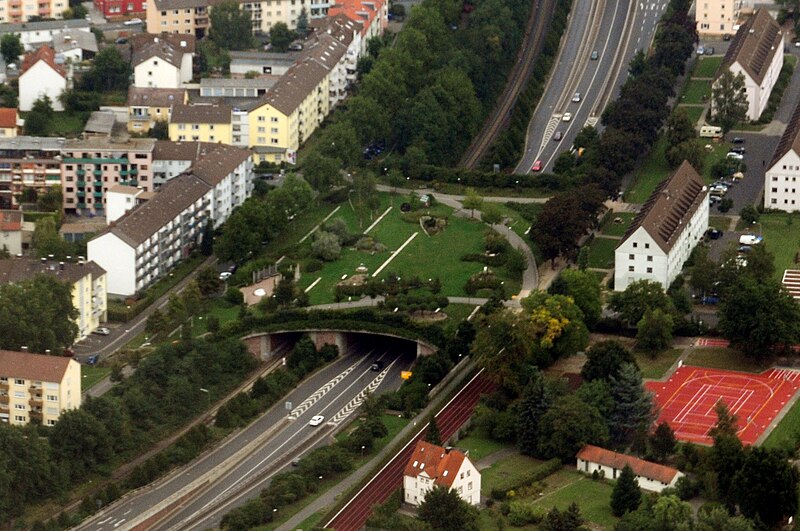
column 500, row 492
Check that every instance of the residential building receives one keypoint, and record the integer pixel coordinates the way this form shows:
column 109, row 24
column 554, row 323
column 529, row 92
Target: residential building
column 11, row 231
column 148, row 105
column 651, row 476
column 91, row 166
column 373, row 15
column 34, row 34
column 21, row 11
column 664, row 232
column 9, row 122
column 28, row 162
column 263, row 63
column 267, row 13
column 720, row 17
column 431, row 465
column 336, row 44
column 37, row 387
column 162, row 61
column 782, row 180
column 121, row 198
column 756, row 52
column 115, row 9
column 237, row 87
column 88, row 281
column 74, row 45
column 81, row 230
column 201, row 123
column 211, row 162
column 41, row 76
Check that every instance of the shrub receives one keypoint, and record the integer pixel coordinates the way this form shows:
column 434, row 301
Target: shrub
column 234, row 296
column 313, row 265
column 326, row 246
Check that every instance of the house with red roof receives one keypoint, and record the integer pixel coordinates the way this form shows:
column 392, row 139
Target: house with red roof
column 432, row 465
column 41, row 76
column 651, row 476
column 373, row 15
column 9, row 122
column 11, row 231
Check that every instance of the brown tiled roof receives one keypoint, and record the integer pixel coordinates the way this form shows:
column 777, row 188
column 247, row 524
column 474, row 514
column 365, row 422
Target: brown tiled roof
column 44, row 53
column 15, row 270
column 82, row 227
column 169, row 47
column 640, row 467
column 166, row 5
column 169, row 150
column 216, row 161
column 789, row 140
column 340, row 26
column 184, row 42
column 295, row 85
column 672, row 204
column 8, row 118
column 755, row 45
column 201, row 114
column 124, row 189
column 155, row 97
column 10, row 220
column 438, row 463
column 174, row 196
column 36, row 367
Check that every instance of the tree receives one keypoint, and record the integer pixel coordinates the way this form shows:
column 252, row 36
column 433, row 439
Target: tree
column 365, row 193
column 749, row 214
column 704, row 271
column 11, row 47
column 727, row 455
column 8, row 96
column 633, row 405
column 207, row 239
column 231, row 26
column 109, row 72
column 654, row 331
column 564, row 219
column 208, row 281
column 718, row 518
column 160, row 130
column 691, row 151
column 669, row 512
column 560, row 324
column 605, row 359
column 584, row 288
column 728, row 100
column 491, row 213
column 443, row 509
column 302, row 22
column 37, row 121
column 570, row 519
column 321, row 172
column 340, row 141
column 51, row 200
column 503, row 344
column 679, row 128
column 80, row 442
column 472, row 201
column 280, row 37
column 156, row 322
column 536, row 400
column 662, row 442
column 432, row 435
column 46, row 240
column 638, row 297
column 326, row 246
column 626, row 495
column 766, row 486
column 568, row 426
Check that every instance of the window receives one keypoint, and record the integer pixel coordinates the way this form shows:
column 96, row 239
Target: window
column 630, row 257
column 20, row 418
column 19, row 394
column 51, row 422
column 649, row 269
column 635, row 245
column 17, row 381
column 262, row 129
column 630, row 268
column 647, row 246
column 273, row 119
column 19, row 406
column 649, row 258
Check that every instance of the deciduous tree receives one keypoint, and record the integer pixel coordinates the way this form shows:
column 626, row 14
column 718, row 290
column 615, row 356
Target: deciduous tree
column 638, row 297
column 568, row 426
column 605, row 359
column 11, row 47
column 728, row 100
column 280, row 37
column 654, row 331
column 231, row 26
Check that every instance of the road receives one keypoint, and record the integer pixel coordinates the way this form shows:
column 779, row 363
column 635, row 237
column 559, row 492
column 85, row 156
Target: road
column 198, row 495
column 615, row 29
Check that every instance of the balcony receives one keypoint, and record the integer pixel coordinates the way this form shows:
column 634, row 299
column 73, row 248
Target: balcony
column 97, row 194
column 81, row 173
column 35, row 401
column 80, row 193
column 97, row 184
column 134, row 171
column 3, row 399
column 36, row 415
column 80, row 205
column 80, row 184
column 97, row 173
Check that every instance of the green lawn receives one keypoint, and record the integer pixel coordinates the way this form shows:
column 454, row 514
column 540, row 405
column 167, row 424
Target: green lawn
column 652, row 171
column 787, row 431
column 67, row 123
column 513, row 466
column 224, row 311
column 515, row 220
column 601, row 253
column 91, row 375
column 479, row 445
column 593, row 497
column 311, row 522
column 298, row 228
column 719, row 222
column 707, row 66
column 655, row 367
column 696, row 91
column 458, row 312
column 612, row 228
column 782, row 239
column 724, row 358
column 694, row 112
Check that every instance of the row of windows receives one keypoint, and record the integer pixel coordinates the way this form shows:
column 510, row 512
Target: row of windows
column 785, row 202
column 632, row 256
column 632, row 269
column 636, row 244
column 785, row 190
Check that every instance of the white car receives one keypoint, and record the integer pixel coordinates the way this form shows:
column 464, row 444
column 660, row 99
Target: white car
column 577, row 97
column 225, row 275
column 736, row 156
column 316, row 420
column 567, row 117
column 102, row 331
column 133, row 22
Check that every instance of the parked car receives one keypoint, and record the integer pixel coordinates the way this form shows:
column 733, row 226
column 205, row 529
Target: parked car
column 701, row 50
column 102, row 331
column 714, row 234
column 734, row 155
column 750, row 239
column 316, row 420
column 225, row 275
column 738, row 140
column 133, row 22
column 744, row 249
column 709, row 50
column 738, row 149
column 710, row 299
column 91, row 360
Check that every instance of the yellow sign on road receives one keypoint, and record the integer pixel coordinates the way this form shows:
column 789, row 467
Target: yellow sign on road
column 405, row 375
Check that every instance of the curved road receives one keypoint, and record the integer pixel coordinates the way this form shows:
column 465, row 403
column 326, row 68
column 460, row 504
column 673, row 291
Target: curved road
column 615, row 29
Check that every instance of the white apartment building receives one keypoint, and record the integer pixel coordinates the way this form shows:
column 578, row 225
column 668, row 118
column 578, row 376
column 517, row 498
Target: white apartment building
column 34, row 34
column 757, row 53
column 663, row 234
column 37, row 387
column 651, row 476
column 719, row 17
column 162, row 61
column 41, row 76
column 432, row 465
column 782, row 180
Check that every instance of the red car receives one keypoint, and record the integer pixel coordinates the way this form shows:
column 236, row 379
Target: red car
column 537, row 166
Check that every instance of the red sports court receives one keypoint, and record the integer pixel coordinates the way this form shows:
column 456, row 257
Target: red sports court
column 686, row 401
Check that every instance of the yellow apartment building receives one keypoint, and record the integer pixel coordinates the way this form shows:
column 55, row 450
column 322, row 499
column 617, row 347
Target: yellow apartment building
column 148, row 105
column 201, row 123
column 39, row 388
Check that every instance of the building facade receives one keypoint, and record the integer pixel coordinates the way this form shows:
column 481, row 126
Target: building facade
column 162, row 61
column 34, row 34
column 41, row 76
column 664, row 233
column 431, row 465
column 39, row 388
column 19, row 11
column 28, row 162
column 201, row 123
column 720, row 17
column 115, row 9
column 782, row 179
column 147, row 106
column 651, row 476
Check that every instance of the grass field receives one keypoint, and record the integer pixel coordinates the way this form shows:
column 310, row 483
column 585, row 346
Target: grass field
column 479, row 445
column 696, row 91
column 655, row 367
column 787, row 430
column 782, row 239
column 694, row 112
column 707, row 66
column 719, row 222
column 91, row 374
column 224, row 311
column 601, row 252
column 504, row 470
column 610, row 228
column 724, row 358
column 593, row 497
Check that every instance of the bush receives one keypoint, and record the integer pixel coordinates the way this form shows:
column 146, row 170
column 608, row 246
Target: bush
column 234, row 296
column 523, row 513
column 326, row 246
column 313, row 265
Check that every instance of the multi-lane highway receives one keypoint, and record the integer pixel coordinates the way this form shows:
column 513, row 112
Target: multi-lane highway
column 197, row 496
column 610, row 30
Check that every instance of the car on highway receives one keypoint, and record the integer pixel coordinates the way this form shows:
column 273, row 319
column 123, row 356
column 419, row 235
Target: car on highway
column 558, row 136
column 594, row 55
column 133, row 22
column 537, row 166
column 102, row 331
column 316, row 420
column 567, row 117
column 577, row 97
column 378, row 365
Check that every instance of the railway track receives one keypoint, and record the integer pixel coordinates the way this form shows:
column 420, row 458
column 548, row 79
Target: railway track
column 535, row 33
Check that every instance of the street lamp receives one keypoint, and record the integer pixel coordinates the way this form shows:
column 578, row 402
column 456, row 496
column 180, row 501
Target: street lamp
column 208, row 396
column 362, row 451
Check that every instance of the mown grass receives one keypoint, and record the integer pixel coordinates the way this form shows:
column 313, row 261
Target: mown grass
column 479, row 444
column 782, row 237
column 696, row 91
column 593, row 497
column 655, row 367
column 601, row 253
column 505, row 470
column 612, row 228
column 787, row 431
column 724, row 358
column 91, row 375
column 707, row 66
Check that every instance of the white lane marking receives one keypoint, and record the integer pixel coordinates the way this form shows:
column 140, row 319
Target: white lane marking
column 120, row 522
column 351, row 406
column 322, row 391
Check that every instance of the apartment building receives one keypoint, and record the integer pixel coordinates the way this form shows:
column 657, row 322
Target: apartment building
column 91, row 166
column 373, row 15
column 262, row 63
column 115, row 9
column 20, row 11
column 719, row 17
column 87, row 279
column 267, row 13
column 34, row 34
column 39, row 76
column 201, row 123
column 39, row 388
column 28, row 162
column 782, row 179
column 148, row 105
column 162, row 61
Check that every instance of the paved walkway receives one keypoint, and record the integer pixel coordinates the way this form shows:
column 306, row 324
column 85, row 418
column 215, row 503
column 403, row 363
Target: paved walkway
column 494, row 457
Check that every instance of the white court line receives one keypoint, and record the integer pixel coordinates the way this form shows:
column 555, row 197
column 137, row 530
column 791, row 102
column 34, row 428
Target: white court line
column 377, row 220
column 690, row 405
column 312, row 285
column 744, row 401
column 312, row 231
column 394, row 255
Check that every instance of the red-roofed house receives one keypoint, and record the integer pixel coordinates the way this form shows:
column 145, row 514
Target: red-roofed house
column 9, row 120
column 432, row 465
column 11, row 231
column 40, row 76
column 372, row 14
column 651, row 476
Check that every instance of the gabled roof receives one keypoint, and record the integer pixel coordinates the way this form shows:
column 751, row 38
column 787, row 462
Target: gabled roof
column 201, row 114
column 64, row 41
column 209, row 161
column 167, row 46
column 789, row 140
column 45, row 25
column 13, row 270
column 640, row 467
column 436, row 462
column 36, row 367
column 43, row 53
column 363, row 11
column 670, row 206
column 10, row 220
column 755, row 45
column 8, row 118
column 155, row 97
column 295, row 85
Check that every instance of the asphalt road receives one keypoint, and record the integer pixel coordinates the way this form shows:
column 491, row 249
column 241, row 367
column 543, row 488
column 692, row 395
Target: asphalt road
column 616, row 29
column 238, row 469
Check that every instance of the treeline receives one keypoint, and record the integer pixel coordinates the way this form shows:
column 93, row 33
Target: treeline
column 632, row 123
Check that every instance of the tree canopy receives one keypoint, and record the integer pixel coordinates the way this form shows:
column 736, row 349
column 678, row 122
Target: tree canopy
column 231, row 26
column 729, row 100
column 444, row 509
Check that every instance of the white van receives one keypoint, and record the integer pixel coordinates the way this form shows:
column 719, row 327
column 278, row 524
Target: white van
column 710, row 131
column 749, row 239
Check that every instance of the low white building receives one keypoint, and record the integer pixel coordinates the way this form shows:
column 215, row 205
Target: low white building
column 41, row 76
column 162, row 61
column 651, row 476
column 663, row 234
column 432, row 465
column 34, row 34
column 757, row 53
column 782, row 180
column 75, row 45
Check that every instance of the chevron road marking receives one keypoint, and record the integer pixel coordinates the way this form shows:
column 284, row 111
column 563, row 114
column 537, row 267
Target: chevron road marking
column 351, row 406
column 319, row 393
